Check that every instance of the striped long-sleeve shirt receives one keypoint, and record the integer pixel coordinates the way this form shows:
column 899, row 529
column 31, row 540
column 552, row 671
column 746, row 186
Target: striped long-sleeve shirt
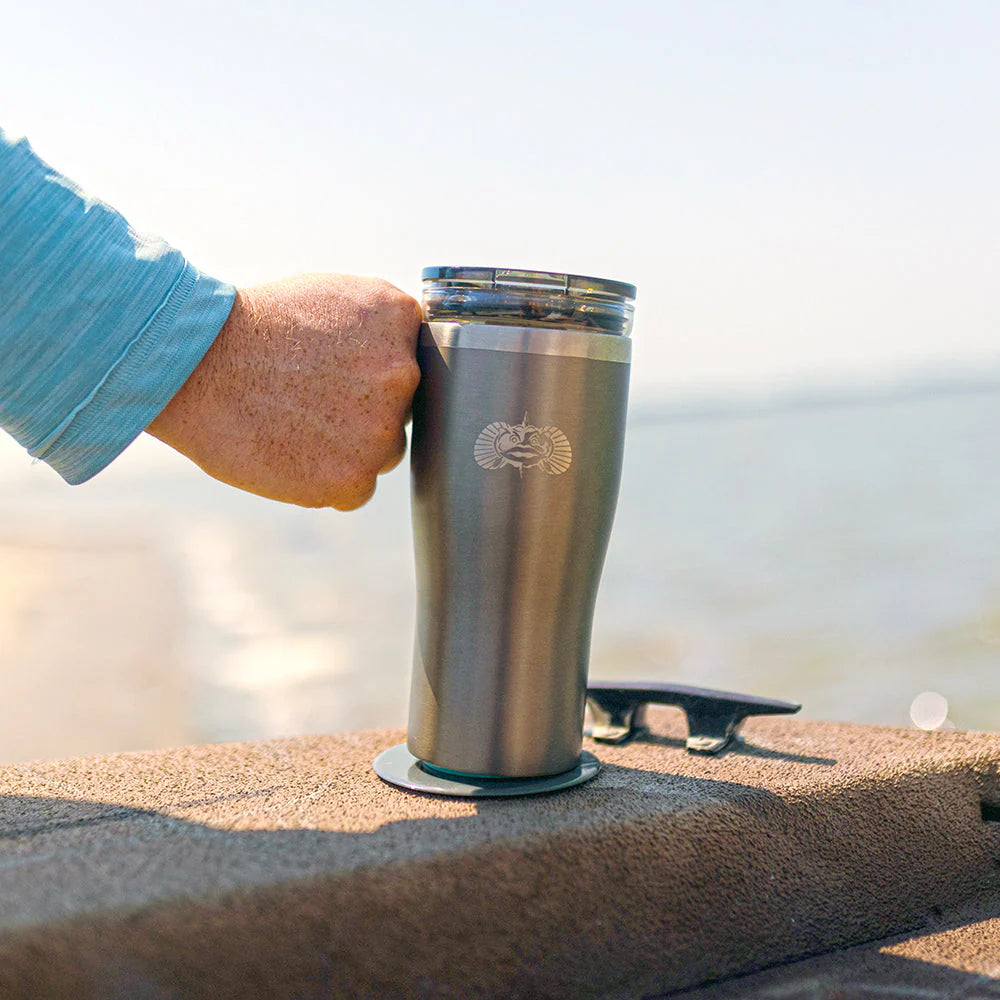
column 99, row 325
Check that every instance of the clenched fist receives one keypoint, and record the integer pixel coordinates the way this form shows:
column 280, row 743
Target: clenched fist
column 304, row 395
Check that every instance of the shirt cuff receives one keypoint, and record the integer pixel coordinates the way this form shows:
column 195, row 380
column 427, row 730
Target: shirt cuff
column 142, row 380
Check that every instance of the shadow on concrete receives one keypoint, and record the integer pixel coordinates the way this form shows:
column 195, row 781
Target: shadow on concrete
column 740, row 747
column 851, row 974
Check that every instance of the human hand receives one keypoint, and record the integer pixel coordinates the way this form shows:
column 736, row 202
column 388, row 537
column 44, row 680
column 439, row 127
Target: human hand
column 304, row 395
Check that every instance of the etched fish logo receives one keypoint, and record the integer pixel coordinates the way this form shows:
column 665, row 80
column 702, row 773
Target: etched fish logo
column 523, row 446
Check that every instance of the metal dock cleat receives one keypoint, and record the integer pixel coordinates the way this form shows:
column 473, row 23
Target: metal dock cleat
column 618, row 709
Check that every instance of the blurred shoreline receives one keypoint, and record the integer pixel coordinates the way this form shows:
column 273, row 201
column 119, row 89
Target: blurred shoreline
column 775, row 397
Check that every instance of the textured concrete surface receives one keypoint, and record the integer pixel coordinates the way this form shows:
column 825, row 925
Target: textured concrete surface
column 287, row 869
column 957, row 957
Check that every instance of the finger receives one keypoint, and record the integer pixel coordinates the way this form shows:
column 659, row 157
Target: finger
column 396, row 455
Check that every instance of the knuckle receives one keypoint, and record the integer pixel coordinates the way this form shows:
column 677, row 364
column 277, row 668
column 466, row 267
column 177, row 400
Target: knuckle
column 357, row 494
column 412, row 375
column 393, row 436
column 392, row 390
column 343, row 476
column 403, row 379
column 381, row 437
column 401, row 310
column 412, row 313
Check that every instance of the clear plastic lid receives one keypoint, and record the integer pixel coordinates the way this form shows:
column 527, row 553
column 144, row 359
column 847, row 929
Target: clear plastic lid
column 527, row 298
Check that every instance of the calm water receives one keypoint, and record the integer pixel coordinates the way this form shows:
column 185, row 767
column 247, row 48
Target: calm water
column 846, row 557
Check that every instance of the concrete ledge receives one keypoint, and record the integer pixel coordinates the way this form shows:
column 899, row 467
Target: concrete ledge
column 287, row 869
column 957, row 957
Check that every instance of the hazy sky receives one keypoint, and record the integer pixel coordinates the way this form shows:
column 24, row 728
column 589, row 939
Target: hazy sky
column 796, row 188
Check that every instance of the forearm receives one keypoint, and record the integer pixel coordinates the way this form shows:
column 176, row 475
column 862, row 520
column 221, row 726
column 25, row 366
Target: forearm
column 99, row 326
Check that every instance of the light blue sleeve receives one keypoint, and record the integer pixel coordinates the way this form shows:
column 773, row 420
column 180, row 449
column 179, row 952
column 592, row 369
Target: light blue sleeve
column 99, row 325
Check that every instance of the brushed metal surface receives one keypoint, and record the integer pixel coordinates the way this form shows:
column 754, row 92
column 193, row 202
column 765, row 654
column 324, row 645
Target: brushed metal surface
column 528, row 340
column 511, row 523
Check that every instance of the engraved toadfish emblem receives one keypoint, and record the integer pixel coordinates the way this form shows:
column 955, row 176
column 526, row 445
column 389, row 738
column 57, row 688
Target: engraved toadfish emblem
column 523, row 446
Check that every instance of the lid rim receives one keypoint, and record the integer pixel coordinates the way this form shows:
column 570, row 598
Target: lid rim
column 513, row 276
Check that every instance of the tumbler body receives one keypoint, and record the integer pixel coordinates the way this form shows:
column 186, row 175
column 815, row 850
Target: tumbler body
column 515, row 465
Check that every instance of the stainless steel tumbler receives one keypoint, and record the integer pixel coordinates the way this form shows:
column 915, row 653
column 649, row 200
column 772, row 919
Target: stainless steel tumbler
column 518, row 428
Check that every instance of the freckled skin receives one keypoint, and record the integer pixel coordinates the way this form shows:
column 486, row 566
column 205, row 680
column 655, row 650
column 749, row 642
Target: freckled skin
column 305, row 394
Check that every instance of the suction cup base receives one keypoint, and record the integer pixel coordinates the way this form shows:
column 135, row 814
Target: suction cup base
column 399, row 767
